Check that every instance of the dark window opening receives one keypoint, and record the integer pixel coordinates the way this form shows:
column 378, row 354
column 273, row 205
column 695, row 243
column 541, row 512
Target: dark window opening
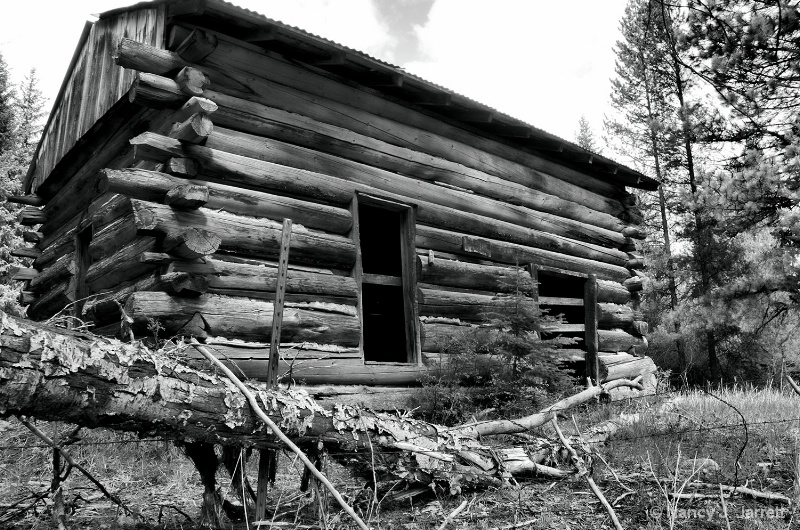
column 561, row 295
column 381, row 251
column 384, row 323
column 385, row 306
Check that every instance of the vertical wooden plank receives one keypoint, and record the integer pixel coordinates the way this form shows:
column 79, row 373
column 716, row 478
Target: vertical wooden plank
column 277, row 313
column 267, row 464
column 408, row 253
column 533, row 269
column 159, row 36
column 268, row 458
column 82, row 260
column 358, row 272
column 590, row 325
column 89, row 66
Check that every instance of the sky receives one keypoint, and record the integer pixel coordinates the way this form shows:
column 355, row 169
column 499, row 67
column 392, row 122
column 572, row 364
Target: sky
column 542, row 61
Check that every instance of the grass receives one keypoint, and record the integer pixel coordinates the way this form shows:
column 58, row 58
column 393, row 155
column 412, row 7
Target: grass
column 672, row 435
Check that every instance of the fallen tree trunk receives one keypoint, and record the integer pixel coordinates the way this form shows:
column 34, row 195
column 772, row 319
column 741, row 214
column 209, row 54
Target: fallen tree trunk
column 55, row 374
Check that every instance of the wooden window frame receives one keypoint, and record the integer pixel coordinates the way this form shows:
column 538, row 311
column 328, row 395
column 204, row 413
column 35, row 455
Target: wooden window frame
column 590, row 312
column 408, row 256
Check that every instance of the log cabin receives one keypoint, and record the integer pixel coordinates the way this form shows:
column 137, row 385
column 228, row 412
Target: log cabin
column 209, row 172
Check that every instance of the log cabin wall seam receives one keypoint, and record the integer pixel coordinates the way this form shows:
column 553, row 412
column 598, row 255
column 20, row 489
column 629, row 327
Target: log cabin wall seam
column 187, row 130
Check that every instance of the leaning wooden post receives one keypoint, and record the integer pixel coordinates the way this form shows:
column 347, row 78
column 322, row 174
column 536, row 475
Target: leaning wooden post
column 590, row 327
column 277, row 314
column 268, row 458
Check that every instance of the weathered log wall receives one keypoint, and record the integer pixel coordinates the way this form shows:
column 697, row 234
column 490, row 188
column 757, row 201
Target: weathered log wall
column 178, row 218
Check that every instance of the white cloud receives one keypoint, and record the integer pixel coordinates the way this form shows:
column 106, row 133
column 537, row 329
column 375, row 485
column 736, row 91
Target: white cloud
column 541, row 61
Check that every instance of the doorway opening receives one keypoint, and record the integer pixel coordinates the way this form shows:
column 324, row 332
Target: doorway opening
column 388, row 280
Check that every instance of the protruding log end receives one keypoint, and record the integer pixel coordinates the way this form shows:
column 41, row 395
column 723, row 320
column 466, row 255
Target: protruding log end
column 155, row 91
column 26, row 298
column 29, row 200
column 192, row 243
column 640, row 328
column 26, row 252
column 185, row 167
column 32, row 237
column 195, row 105
column 156, row 258
column 21, row 274
column 187, row 284
column 187, row 196
column 192, row 81
column 31, row 215
column 635, row 263
column 194, row 130
column 197, row 45
column 633, row 284
column 635, row 232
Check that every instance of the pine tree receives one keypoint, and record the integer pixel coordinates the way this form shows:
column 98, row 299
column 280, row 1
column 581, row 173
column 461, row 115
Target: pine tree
column 7, row 127
column 584, row 137
column 647, row 127
column 30, row 111
column 20, row 121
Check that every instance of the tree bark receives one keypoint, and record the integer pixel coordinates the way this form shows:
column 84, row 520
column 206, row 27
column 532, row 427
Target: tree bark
column 54, row 374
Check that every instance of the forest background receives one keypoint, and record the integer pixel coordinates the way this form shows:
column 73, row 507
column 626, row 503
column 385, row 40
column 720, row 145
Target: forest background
column 706, row 99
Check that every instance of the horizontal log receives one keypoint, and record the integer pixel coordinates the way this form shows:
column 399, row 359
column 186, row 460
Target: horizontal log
column 611, row 315
column 22, row 274
column 32, row 237
column 29, row 200
column 633, row 284
column 624, row 366
column 436, row 336
column 193, row 107
column 467, row 306
column 194, row 130
column 294, row 128
column 580, row 219
column 453, row 242
column 246, row 319
column 608, row 291
column 253, row 237
column 249, row 172
column 113, row 236
column 449, row 273
column 191, row 243
column 62, row 268
column 104, row 308
column 184, row 167
column 281, row 149
column 635, row 263
column 121, row 266
column 154, row 186
column 192, row 81
column 635, row 232
column 31, row 215
column 189, row 196
column 617, row 340
column 560, row 301
column 338, row 371
column 156, row 258
column 379, row 398
column 26, row 252
column 26, row 298
column 336, row 103
column 640, row 328
column 57, row 298
column 343, row 178
column 229, row 277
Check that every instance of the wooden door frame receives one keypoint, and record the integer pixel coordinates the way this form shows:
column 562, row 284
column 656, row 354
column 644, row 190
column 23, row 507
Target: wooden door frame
column 408, row 255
